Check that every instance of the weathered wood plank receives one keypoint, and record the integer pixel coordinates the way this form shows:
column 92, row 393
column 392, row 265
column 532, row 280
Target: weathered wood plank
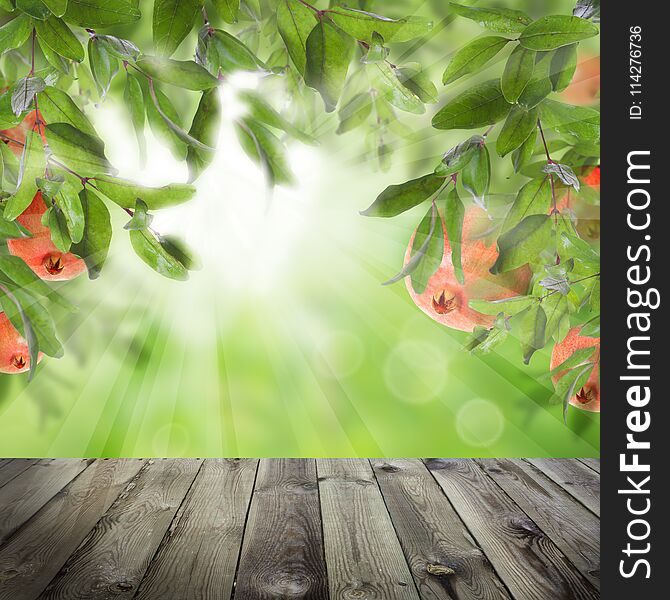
column 594, row 463
column 282, row 554
column 26, row 493
column 363, row 553
column 446, row 562
column 198, row 557
column 527, row 560
column 113, row 559
column 571, row 526
column 12, row 467
column 574, row 477
column 34, row 554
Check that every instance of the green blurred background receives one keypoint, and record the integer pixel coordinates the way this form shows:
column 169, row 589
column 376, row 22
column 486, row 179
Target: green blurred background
column 285, row 343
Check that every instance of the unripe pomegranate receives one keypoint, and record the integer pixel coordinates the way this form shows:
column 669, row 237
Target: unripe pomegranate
column 14, row 355
column 445, row 299
column 588, row 396
column 585, row 87
column 39, row 252
column 19, row 133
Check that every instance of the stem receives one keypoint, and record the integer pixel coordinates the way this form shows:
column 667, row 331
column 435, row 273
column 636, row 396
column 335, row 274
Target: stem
column 554, row 210
column 32, row 53
column 4, row 136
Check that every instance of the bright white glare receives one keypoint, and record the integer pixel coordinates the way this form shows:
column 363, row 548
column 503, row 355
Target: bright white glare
column 245, row 233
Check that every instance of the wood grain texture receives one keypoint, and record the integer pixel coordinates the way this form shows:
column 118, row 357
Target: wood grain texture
column 571, row 526
column 282, row 556
column 12, row 467
column 32, row 489
column 113, row 559
column 363, row 554
column 527, row 560
column 447, row 564
column 594, row 463
column 577, row 479
column 33, row 556
column 198, row 557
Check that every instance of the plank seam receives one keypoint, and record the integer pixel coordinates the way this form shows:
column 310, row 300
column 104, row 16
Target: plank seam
column 67, row 484
column 589, row 466
column 35, row 461
column 168, row 532
column 495, row 483
column 559, row 484
column 323, row 543
column 244, row 530
column 475, row 541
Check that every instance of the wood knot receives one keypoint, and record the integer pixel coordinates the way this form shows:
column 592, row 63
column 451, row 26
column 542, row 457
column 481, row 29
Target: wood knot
column 439, row 570
column 389, row 468
column 124, row 586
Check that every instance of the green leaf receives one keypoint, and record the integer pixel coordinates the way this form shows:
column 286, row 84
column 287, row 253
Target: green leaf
column 18, row 272
column 24, row 92
column 376, row 51
column 522, row 243
column 57, row 7
column 532, row 331
column 564, row 173
column 522, row 155
column 329, row 53
column 154, row 254
column 502, row 20
column 551, row 32
column 205, row 128
column 483, row 340
column 295, row 22
column 473, row 56
column 57, row 107
column 483, row 104
column 539, row 86
column 260, row 110
column 355, row 112
column 59, row 37
column 11, row 230
column 103, row 65
column 586, row 258
column 417, row 82
column 58, row 228
column 576, row 359
column 518, row 126
column 70, row 204
column 172, row 22
column 54, row 59
column 123, row 49
column 14, row 33
column 507, row 306
column 34, row 8
column 563, row 66
column 587, row 9
column 591, row 328
column 177, row 249
column 141, row 219
column 229, row 54
column 157, row 105
column 572, row 381
column 396, row 199
column 361, row 25
column 459, row 156
column 395, row 92
column 556, row 310
column 125, row 193
column 33, row 163
column 578, row 121
column 133, row 98
column 454, row 211
column 94, row 245
column 82, row 152
column 263, row 147
column 228, row 9
column 476, row 175
column 534, row 198
column 101, row 13
column 181, row 73
column 518, row 72
column 427, row 252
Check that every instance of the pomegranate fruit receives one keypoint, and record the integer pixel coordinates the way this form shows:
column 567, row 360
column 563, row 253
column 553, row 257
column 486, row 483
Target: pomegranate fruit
column 19, row 133
column 14, row 355
column 588, row 396
column 585, row 87
column 39, row 252
column 445, row 299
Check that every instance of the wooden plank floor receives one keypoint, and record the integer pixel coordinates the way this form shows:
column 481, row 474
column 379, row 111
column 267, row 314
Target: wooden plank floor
column 339, row 529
